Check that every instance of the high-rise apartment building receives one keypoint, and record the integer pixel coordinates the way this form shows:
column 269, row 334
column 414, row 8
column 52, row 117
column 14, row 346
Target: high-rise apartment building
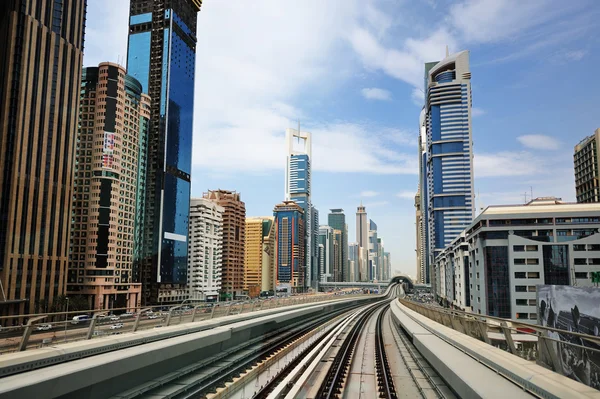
column 337, row 220
column 205, row 250
column 353, row 261
column 362, row 239
column 314, row 229
column 337, row 255
column 373, row 252
column 40, row 75
column 234, row 230
column 419, row 239
column 327, row 261
column 298, row 188
column 423, row 202
column 387, row 269
column 449, row 150
column 587, row 168
column 110, row 153
column 259, row 264
column 161, row 55
column 289, row 246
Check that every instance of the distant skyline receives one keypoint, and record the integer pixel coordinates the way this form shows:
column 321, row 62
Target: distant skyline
column 355, row 79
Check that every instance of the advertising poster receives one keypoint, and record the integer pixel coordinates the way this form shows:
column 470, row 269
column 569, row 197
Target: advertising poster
column 573, row 309
column 107, row 150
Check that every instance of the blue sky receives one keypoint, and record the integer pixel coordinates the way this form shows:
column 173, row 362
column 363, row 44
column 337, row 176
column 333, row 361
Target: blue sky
column 352, row 72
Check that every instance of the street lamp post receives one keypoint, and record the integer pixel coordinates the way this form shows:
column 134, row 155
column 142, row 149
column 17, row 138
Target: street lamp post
column 66, row 318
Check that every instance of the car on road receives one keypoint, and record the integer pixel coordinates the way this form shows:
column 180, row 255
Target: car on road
column 115, row 318
column 153, row 316
column 44, row 327
column 116, row 326
column 80, row 319
column 128, row 314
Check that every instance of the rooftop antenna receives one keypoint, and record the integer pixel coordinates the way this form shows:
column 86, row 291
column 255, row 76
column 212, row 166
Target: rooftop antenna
column 531, row 188
column 447, row 52
column 525, row 196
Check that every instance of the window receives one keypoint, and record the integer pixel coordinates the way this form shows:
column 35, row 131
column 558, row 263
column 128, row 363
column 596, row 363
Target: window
column 521, row 302
column 533, row 274
column 519, row 274
column 519, row 261
column 533, row 261
column 522, row 316
column 498, row 289
column 531, row 248
column 579, row 247
column 531, row 288
column 594, row 247
column 594, row 261
column 580, row 261
column 556, row 264
column 519, row 248
column 580, row 274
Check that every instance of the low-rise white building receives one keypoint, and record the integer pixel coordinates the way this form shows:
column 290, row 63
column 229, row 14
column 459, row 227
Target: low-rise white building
column 494, row 266
column 205, row 249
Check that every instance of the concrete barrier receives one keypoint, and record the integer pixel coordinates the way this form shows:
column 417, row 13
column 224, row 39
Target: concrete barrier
column 475, row 369
column 108, row 374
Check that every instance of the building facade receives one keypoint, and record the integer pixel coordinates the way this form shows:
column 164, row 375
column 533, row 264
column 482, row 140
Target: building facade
column 298, row 188
column 587, row 169
column 40, row 76
column 495, row 265
column 205, row 249
column 450, row 197
column 362, row 239
column 353, row 261
column 161, row 55
column 327, row 261
column 337, row 220
column 234, row 237
column 423, row 205
column 419, row 241
column 337, row 255
column 289, row 246
column 114, row 115
column 315, row 271
column 373, row 248
column 259, row 264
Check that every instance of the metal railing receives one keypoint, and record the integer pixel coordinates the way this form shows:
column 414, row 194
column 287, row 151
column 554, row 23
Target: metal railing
column 50, row 329
column 569, row 353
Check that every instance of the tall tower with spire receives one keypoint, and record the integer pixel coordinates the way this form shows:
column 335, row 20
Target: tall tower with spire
column 362, row 238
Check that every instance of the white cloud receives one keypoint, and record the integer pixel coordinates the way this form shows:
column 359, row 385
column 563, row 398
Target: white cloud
column 418, row 96
column 575, row 55
column 407, row 194
column 102, row 44
column 369, row 194
column 475, row 112
column 539, row 142
column 507, row 163
column 376, row 204
column 375, row 93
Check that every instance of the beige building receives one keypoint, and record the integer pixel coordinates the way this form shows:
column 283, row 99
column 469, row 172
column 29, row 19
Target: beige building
column 587, row 168
column 113, row 117
column 259, row 258
column 234, row 231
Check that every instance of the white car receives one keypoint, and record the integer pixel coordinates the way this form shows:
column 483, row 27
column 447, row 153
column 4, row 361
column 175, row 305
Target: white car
column 116, row 326
column 114, row 318
column 44, row 327
column 153, row 316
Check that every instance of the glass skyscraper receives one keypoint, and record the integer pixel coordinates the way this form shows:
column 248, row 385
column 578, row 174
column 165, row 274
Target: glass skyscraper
column 449, row 155
column 161, row 55
column 337, row 220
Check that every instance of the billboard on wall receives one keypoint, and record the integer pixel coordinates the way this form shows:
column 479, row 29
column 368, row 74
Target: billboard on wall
column 107, row 150
column 573, row 309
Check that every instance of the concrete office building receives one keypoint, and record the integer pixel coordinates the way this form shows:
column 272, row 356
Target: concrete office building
column 450, row 206
column 494, row 266
column 205, row 250
column 40, row 76
column 298, row 189
column 161, row 55
column 337, row 220
column 587, row 169
column 234, row 236
column 110, row 154
column 327, row 261
column 289, row 246
column 259, row 264
column 362, row 238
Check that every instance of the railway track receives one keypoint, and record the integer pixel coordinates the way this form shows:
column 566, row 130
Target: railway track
column 384, row 374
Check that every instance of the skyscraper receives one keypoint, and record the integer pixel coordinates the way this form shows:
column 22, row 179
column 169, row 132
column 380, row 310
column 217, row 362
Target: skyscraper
column 259, row 264
column 110, row 157
column 419, row 240
column 337, row 255
column 353, row 261
column 362, row 239
column 290, row 246
column 423, row 205
column 40, row 77
column 161, row 55
column 373, row 248
column 314, row 226
column 449, row 150
column 337, row 220
column 326, row 239
column 298, row 188
column 234, row 233
column 587, row 168
column 205, row 249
